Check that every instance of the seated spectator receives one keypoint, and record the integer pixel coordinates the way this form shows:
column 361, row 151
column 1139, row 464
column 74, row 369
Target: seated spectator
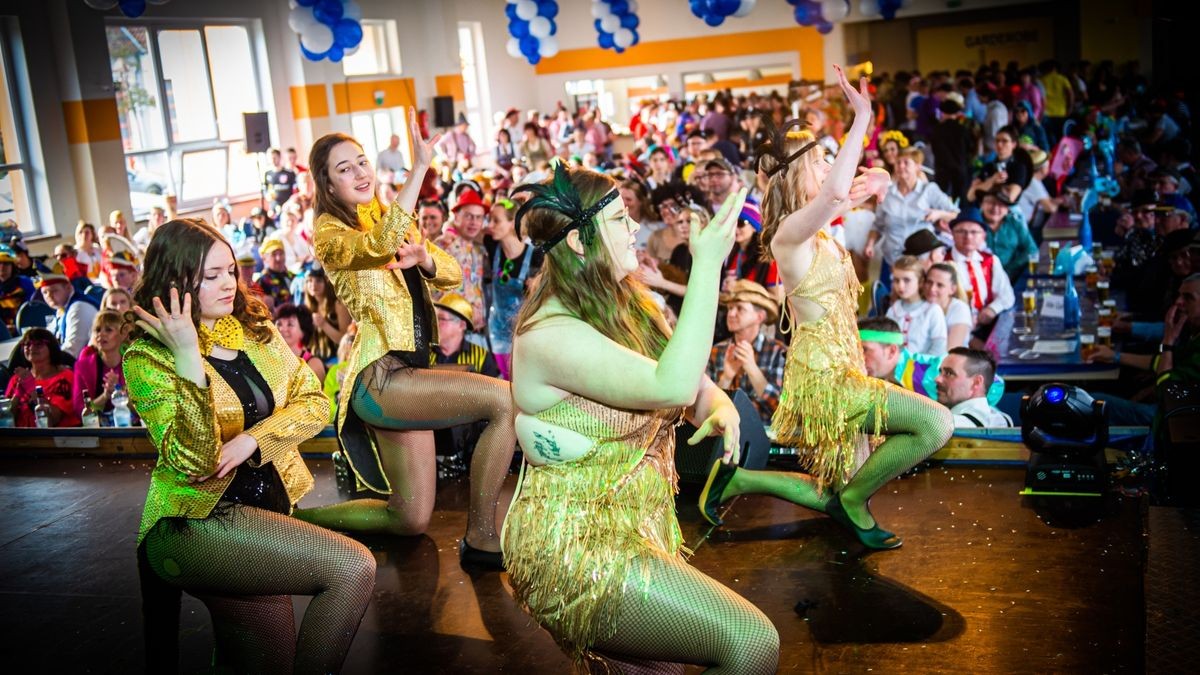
column 454, row 321
column 246, row 263
column 390, row 158
column 330, row 316
column 158, row 216
column 925, row 246
column 15, row 289
column 98, row 368
column 746, row 260
column 121, row 269
column 504, row 152
column 433, row 218
column 24, row 263
column 117, row 300
column 295, row 324
column 275, row 279
column 718, row 179
column 1133, row 168
column 1009, row 169
column 73, row 311
column 662, row 166
column 533, row 150
column 988, row 287
column 254, row 230
column 1138, row 241
column 922, row 323
column 749, row 360
column 943, row 289
column 641, row 210
column 297, row 243
column 887, row 360
column 1179, row 360
column 1035, row 202
column 670, row 278
column 1027, row 126
column 461, row 241
column 38, row 361
column 87, row 248
column 670, row 201
column 911, row 204
column 336, row 374
column 1008, row 236
column 962, row 385
column 66, row 256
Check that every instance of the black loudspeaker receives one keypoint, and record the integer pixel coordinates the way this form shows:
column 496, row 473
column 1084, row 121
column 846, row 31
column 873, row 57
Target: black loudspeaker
column 258, row 131
column 693, row 462
column 443, row 111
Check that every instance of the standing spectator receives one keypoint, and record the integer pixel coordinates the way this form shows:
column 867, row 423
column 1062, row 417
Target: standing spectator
column 505, row 151
column 457, row 143
column 73, row 311
column 890, row 145
column 275, row 279
column 461, row 242
column 662, row 165
column 87, row 248
column 297, row 243
column 1030, row 93
column 962, row 386
column 943, row 289
column 718, row 179
column 749, row 360
column 98, row 368
column 390, row 158
column 330, row 317
column 433, row 218
column 116, row 225
column 1059, row 99
column 990, row 291
column 295, row 326
column 910, row 205
column 637, row 202
column 716, row 122
column 974, row 109
column 922, row 323
column 954, row 145
column 223, row 221
column 515, row 263
column 996, row 116
column 1027, row 125
column 746, row 260
column 38, row 361
column 279, row 180
column 158, row 216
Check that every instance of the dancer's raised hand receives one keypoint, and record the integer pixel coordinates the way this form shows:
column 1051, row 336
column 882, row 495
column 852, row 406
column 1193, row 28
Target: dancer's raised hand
column 725, row 422
column 174, row 328
column 870, row 182
column 860, row 99
column 422, row 149
column 713, row 242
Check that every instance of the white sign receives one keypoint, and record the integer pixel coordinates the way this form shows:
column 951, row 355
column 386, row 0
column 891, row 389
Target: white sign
column 1052, row 306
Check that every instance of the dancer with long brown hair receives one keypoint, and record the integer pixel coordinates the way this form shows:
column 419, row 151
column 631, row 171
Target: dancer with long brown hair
column 383, row 270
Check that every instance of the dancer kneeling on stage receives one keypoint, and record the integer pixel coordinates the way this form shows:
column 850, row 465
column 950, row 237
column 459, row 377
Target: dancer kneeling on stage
column 828, row 401
column 591, row 541
column 226, row 404
column 391, row 402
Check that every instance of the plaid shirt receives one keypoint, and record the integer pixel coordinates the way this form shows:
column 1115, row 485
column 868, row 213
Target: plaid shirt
column 770, row 355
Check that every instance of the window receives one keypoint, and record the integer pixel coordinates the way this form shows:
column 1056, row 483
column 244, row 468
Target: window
column 377, row 54
column 475, row 86
column 181, row 92
column 374, row 131
column 16, row 193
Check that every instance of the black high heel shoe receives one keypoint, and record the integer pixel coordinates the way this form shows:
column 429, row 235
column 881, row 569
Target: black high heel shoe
column 710, row 497
column 469, row 556
column 875, row 538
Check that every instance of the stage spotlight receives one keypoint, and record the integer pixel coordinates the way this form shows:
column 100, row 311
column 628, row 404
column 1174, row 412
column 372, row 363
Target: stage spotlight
column 1066, row 431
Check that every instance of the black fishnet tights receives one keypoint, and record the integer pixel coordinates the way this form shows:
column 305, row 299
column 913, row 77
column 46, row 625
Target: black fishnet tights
column 246, row 564
column 401, row 408
column 686, row 617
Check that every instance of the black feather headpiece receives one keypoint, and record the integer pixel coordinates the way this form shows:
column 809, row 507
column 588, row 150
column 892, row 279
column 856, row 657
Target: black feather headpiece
column 560, row 195
column 774, row 146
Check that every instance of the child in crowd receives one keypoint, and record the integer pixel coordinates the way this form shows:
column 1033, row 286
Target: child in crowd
column 943, row 289
column 923, row 323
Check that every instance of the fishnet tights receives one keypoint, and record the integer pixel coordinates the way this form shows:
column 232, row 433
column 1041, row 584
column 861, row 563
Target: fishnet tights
column 916, row 428
column 686, row 617
column 245, row 566
column 402, row 408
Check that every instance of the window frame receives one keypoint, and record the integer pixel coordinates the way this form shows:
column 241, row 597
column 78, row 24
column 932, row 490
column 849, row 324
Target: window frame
column 391, row 35
column 175, row 151
column 18, row 95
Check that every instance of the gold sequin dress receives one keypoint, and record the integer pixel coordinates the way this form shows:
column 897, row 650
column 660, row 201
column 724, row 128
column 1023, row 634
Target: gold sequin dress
column 827, row 393
column 577, row 530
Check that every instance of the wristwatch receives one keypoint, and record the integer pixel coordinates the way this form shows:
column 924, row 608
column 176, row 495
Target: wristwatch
column 1164, row 347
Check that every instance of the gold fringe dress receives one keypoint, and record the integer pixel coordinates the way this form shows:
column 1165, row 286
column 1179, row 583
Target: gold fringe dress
column 827, row 394
column 578, row 531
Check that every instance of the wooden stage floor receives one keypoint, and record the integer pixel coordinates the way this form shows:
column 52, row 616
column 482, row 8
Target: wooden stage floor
column 985, row 582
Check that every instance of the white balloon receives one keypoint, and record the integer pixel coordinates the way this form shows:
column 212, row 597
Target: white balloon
column 526, row 9
column 351, row 52
column 600, row 9
column 101, row 4
column 514, row 48
column 610, row 23
column 300, row 18
column 633, row 6
column 351, row 10
column 548, row 47
column 317, row 38
column 745, row 8
column 623, row 38
column 539, row 27
column 834, row 10
column 868, row 7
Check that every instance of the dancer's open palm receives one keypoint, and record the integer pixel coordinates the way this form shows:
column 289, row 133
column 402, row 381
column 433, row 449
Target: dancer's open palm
column 860, row 99
column 174, row 328
column 422, row 149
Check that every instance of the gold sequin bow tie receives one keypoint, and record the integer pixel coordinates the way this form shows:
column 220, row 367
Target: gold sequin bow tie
column 227, row 332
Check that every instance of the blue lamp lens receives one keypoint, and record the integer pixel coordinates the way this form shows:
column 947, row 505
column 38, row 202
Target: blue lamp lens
column 1055, row 394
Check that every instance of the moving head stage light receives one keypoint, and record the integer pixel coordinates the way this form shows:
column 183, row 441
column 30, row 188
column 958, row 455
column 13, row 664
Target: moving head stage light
column 1066, row 431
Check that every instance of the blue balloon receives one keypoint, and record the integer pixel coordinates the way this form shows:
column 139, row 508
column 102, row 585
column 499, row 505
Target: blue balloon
column 546, row 8
column 619, row 7
column 606, row 40
column 510, row 10
column 335, row 54
column 311, row 56
column 599, row 28
column 133, row 8
column 636, row 38
column 714, row 20
column 347, row 34
column 725, row 7
column 618, row 49
column 518, row 28
column 805, row 16
column 328, row 12
column 533, row 60
column 824, row 27
column 553, row 27
column 698, row 9
column 306, row 3
column 529, row 45
column 630, row 21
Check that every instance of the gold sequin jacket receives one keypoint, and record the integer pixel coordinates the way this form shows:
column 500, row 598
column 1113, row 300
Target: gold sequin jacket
column 378, row 299
column 189, row 424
